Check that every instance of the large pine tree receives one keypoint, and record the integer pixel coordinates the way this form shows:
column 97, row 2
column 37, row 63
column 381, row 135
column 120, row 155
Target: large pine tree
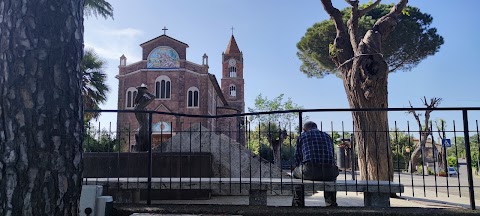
column 41, row 47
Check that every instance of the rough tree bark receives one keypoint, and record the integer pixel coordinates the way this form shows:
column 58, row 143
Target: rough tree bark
column 41, row 130
column 425, row 130
column 365, row 73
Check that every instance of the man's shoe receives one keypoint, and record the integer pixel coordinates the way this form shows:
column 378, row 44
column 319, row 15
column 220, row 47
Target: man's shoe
column 331, row 205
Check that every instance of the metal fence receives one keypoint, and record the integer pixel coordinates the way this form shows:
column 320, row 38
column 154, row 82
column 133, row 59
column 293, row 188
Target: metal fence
column 230, row 154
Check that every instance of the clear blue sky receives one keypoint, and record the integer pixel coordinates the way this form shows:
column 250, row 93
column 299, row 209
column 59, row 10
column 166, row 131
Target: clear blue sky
column 267, row 32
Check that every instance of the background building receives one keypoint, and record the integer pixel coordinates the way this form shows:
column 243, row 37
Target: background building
column 181, row 86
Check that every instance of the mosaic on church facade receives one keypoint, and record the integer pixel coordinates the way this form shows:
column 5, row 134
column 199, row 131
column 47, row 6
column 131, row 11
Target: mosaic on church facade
column 163, row 57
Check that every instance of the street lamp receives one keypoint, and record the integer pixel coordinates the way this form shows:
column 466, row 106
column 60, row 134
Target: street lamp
column 407, row 150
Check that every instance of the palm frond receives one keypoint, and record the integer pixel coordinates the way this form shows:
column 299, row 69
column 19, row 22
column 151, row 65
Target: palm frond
column 98, row 8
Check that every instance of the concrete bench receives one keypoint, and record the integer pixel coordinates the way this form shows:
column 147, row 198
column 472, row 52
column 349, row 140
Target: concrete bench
column 376, row 193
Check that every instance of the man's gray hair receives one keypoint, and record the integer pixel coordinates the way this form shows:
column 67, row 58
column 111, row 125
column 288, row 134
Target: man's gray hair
column 309, row 125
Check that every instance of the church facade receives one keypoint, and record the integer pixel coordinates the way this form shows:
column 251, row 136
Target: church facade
column 182, row 87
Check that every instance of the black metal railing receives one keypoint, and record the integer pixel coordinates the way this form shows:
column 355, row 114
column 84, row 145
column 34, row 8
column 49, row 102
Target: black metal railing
column 209, row 153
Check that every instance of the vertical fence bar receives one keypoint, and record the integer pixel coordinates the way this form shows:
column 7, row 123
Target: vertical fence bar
column 377, row 157
column 345, row 151
column 280, row 134
column 249, row 127
column 389, row 152
column 171, row 150
column 189, row 156
column 230, row 154
column 270, row 137
column 260, row 152
column 96, row 179
column 214, row 127
column 129, row 152
column 365, row 158
column 180, row 170
column 161, row 146
column 478, row 144
column 354, row 157
column 456, row 157
column 200, row 155
column 434, row 147
column 422, row 155
column 410, row 163
column 149, row 165
column 239, row 140
column 291, row 159
column 469, row 159
column 445, row 158
column 398, row 155
column 118, row 155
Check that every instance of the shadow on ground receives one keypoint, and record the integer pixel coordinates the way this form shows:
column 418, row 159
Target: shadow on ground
column 126, row 210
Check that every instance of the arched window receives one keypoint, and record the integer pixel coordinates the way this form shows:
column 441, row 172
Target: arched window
column 192, row 97
column 162, row 87
column 233, row 71
column 233, row 90
column 130, row 97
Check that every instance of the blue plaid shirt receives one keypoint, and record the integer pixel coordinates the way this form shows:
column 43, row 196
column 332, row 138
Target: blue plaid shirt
column 314, row 146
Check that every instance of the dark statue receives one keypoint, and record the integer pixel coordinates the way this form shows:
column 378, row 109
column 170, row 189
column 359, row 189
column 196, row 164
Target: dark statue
column 142, row 100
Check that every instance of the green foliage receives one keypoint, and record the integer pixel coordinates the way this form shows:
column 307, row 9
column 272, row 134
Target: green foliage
column 282, row 120
column 399, row 161
column 452, row 161
column 266, row 152
column 99, row 141
column 475, row 159
column 258, row 143
column 94, row 89
column 429, row 171
column 98, row 8
column 400, row 140
column 412, row 41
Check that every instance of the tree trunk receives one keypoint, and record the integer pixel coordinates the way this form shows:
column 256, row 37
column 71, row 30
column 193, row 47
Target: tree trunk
column 416, row 157
column 41, row 134
column 365, row 74
column 277, row 157
column 371, row 128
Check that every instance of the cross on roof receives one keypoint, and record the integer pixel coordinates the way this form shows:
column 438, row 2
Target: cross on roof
column 232, row 29
column 164, row 30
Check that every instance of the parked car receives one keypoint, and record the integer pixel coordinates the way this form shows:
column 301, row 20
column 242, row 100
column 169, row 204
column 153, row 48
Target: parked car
column 452, row 171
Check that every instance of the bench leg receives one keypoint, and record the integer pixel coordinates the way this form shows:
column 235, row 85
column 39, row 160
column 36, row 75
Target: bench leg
column 258, row 197
column 376, row 200
column 299, row 196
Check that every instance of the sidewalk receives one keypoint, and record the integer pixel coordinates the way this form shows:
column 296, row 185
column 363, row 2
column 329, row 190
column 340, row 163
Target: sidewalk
column 351, row 199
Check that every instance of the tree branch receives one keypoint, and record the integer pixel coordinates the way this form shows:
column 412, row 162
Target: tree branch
column 353, row 25
column 342, row 44
column 364, row 11
column 387, row 23
column 334, row 14
column 415, row 115
column 434, row 102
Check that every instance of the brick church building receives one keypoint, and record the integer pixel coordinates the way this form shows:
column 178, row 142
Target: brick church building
column 181, row 86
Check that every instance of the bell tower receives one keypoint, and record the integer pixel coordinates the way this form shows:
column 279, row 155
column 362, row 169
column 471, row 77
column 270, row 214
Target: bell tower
column 232, row 76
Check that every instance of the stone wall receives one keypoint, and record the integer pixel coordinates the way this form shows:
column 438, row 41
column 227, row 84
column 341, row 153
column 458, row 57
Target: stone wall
column 230, row 159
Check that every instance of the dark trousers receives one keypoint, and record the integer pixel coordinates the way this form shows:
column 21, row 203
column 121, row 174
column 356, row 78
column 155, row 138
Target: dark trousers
column 319, row 172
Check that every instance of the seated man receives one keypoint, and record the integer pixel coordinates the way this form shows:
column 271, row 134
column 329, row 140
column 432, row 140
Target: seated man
column 314, row 159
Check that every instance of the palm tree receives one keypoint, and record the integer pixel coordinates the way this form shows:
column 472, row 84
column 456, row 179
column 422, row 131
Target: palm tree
column 98, row 8
column 94, row 89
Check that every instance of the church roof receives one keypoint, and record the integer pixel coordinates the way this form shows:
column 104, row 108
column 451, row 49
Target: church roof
column 217, row 88
column 166, row 37
column 232, row 46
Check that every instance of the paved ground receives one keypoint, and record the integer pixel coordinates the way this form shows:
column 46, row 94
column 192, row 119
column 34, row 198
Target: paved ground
column 349, row 204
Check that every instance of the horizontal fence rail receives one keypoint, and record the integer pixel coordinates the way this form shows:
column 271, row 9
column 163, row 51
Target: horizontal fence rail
column 192, row 157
